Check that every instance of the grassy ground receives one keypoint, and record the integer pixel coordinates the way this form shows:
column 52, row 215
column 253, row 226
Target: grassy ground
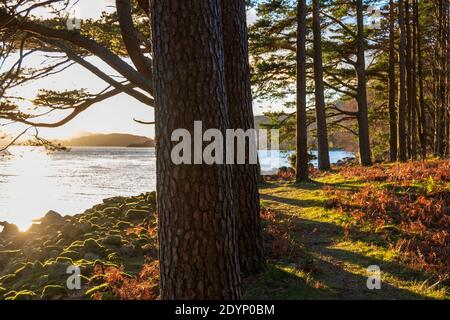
column 328, row 259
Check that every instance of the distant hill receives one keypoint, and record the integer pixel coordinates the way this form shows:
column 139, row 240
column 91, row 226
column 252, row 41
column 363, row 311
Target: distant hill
column 109, row 140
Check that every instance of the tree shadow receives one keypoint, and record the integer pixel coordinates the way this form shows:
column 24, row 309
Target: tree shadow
column 304, row 203
column 329, row 266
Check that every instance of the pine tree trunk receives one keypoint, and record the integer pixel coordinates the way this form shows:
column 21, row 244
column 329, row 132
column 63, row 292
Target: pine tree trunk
column 402, row 85
column 409, row 92
column 198, row 256
column 245, row 184
column 322, row 132
column 414, row 104
column 422, row 115
column 363, row 121
column 441, row 113
column 302, row 130
column 392, row 92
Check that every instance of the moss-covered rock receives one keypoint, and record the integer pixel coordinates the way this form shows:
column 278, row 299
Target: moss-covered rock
column 53, row 292
column 74, row 255
column 136, row 214
column 22, row 295
column 112, row 240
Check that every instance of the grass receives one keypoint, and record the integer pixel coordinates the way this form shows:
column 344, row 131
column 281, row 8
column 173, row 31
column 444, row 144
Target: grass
column 329, row 255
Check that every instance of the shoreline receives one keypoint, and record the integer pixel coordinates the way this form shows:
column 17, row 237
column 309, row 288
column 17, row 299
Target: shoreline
column 34, row 264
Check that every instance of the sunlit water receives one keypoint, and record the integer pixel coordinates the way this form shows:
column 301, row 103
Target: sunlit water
column 33, row 181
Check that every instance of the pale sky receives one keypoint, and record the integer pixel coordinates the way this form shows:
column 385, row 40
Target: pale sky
column 113, row 115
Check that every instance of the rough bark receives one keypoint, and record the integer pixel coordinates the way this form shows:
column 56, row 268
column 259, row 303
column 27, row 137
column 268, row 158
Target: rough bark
column 363, row 121
column 245, row 176
column 198, row 256
column 302, row 129
column 322, row 132
column 392, row 84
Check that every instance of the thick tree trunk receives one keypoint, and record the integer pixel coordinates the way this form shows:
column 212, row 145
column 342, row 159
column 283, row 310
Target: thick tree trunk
column 402, row 85
column 392, row 84
column 245, row 188
column 363, row 121
column 322, row 132
column 198, row 256
column 302, row 129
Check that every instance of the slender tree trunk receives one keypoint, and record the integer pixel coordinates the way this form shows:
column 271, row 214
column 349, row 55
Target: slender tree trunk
column 446, row 71
column 198, row 256
column 392, row 92
column 409, row 92
column 322, row 132
column 402, row 85
column 363, row 121
column 422, row 115
column 245, row 184
column 442, row 108
column 302, row 130
column 414, row 103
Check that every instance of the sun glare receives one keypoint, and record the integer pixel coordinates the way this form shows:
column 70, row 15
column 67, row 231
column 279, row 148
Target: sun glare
column 29, row 191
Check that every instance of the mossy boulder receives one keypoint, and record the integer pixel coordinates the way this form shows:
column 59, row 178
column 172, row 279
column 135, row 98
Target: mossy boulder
column 112, row 212
column 92, row 245
column 23, row 295
column 51, row 218
column 136, row 214
column 112, row 240
column 58, row 270
column 53, row 291
column 114, row 201
column 7, row 279
column 123, row 225
column 74, row 255
column 25, row 271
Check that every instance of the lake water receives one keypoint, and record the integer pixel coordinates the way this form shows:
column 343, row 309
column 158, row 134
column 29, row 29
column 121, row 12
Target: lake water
column 33, row 181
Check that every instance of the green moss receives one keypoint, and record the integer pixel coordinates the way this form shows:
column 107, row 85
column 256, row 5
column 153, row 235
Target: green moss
column 100, row 288
column 53, row 291
column 135, row 214
column 22, row 295
column 112, row 240
column 74, row 255
column 112, row 212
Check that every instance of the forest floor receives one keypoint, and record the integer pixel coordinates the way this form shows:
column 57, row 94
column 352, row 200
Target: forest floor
column 321, row 236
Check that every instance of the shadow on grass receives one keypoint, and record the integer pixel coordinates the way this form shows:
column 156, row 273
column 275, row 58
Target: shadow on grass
column 318, row 270
column 304, row 203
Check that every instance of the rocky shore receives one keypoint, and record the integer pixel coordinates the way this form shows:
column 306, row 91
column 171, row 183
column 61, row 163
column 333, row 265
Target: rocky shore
column 37, row 264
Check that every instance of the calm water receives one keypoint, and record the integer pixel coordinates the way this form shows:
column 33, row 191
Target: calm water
column 33, row 181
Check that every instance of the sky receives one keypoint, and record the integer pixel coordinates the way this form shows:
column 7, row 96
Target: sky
column 113, row 115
